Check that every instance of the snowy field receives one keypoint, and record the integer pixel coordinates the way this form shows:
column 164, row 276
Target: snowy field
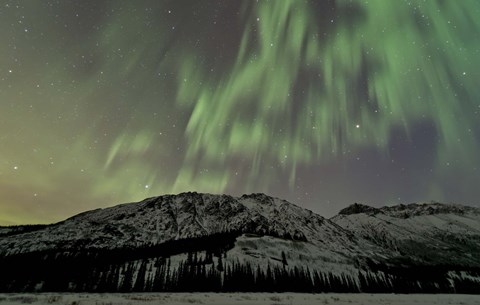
column 236, row 298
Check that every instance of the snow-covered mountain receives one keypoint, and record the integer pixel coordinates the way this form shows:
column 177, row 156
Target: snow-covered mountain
column 255, row 235
column 432, row 233
column 187, row 215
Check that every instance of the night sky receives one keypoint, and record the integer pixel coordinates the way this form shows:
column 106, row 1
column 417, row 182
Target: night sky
column 323, row 103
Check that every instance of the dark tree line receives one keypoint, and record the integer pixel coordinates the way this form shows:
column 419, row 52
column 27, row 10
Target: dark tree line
column 205, row 267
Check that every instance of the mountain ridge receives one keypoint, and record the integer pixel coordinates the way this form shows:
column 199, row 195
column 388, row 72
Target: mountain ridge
column 407, row 210
column 359, row 249
column 188, row 213
column 355, row 208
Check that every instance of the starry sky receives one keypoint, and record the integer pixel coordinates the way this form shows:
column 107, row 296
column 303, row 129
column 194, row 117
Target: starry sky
column 323, row 103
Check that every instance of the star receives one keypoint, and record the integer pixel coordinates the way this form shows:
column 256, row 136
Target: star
column 271, row 97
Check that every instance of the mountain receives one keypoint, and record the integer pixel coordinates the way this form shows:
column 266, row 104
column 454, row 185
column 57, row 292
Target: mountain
column 204, row 242
column 429, row 234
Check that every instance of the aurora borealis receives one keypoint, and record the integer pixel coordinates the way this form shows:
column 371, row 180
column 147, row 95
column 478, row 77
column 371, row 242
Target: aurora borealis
column 323, row 103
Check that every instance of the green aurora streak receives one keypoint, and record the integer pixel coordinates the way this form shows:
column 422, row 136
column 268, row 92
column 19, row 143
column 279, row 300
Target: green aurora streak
column 306, row 86
column 401, row 63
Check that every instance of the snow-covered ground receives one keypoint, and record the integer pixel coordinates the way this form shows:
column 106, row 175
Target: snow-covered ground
column 236, row 298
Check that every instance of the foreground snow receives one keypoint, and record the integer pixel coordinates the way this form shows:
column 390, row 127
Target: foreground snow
column 235, row 298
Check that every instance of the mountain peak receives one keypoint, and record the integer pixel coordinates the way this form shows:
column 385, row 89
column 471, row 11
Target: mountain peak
column 259, row 197
column 358, row 208
column 418, row 209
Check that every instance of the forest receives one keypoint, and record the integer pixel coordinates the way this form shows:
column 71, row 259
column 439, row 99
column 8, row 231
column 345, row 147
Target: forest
column 201, row 264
